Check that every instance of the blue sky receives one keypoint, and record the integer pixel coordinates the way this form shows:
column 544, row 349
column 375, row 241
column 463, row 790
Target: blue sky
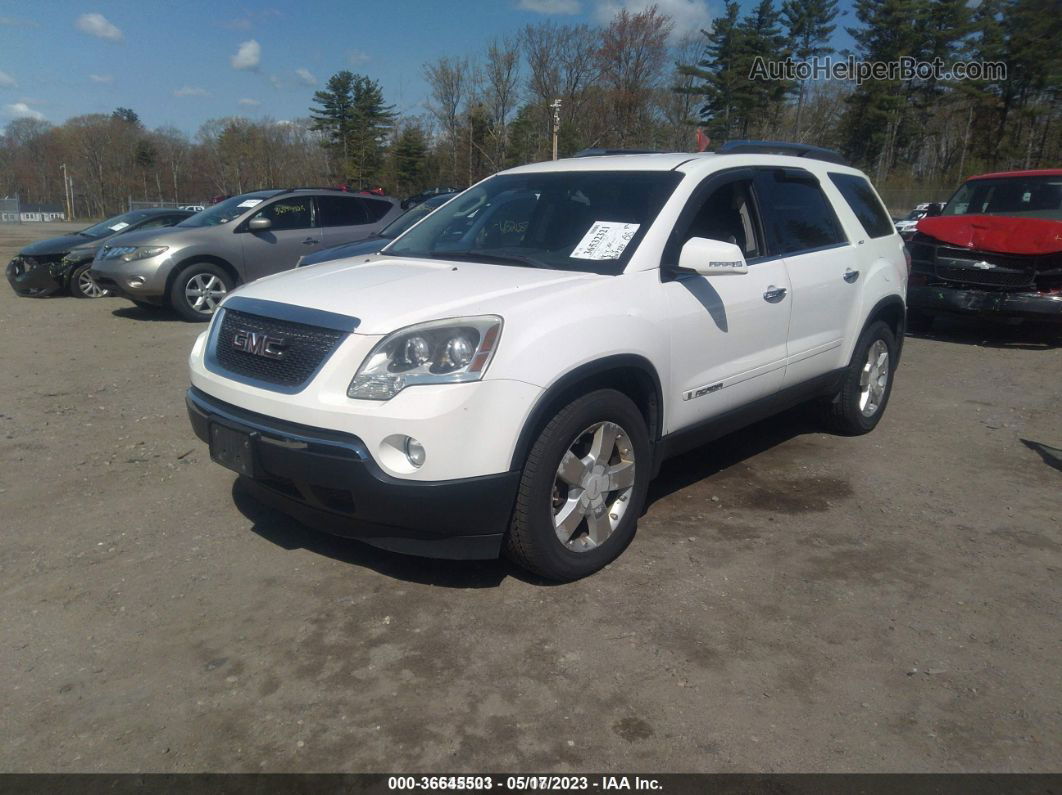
column 180, row 63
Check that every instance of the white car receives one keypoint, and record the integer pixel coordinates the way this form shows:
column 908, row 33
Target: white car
column 507, row 376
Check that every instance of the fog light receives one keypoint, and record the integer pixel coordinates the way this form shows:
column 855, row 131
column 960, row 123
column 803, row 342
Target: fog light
column 136, row 282
column 415, row 451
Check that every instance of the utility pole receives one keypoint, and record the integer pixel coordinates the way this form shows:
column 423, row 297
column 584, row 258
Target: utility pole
column 556, row 105
column 66, row 194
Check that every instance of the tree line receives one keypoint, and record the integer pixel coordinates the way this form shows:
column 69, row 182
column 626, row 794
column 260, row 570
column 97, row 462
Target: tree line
column 636, row 82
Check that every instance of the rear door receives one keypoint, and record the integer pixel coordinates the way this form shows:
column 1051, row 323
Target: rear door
column 728, row 331
column 822, row 265
column 347, row 219
column 293, row 233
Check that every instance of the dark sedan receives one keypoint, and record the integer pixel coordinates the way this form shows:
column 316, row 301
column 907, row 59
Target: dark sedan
column 373, row 244
column 62, row 263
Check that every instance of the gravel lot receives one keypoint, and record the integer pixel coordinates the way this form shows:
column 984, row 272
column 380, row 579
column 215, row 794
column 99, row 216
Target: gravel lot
column 793, row 601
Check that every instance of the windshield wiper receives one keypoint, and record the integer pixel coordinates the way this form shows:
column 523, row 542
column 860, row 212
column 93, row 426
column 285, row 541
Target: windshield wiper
column 489, row 256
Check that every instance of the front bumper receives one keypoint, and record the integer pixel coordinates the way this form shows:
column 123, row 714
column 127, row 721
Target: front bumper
column 139, row 280
column 999, row 303
column 33, row 277
column 328, row 480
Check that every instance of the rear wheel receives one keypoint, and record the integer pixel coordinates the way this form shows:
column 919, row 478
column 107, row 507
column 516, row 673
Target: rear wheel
column 867, row 383
column 198, row 289
column 582, row 488
column 82, row 285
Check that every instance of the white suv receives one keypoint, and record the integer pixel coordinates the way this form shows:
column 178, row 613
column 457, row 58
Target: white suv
column 509, row 374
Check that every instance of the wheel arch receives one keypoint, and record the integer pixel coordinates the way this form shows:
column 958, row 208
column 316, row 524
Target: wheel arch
column 893, row 312
column 631, row 374
column 224, row 264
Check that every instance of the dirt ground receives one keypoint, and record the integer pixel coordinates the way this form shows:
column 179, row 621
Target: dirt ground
column 793, row 601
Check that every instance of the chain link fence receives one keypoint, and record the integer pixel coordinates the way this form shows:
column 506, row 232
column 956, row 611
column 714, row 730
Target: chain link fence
column 146, row 205
column 10, row 212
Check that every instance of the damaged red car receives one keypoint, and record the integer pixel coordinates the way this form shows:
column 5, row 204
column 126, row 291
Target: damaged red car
column 994, row 250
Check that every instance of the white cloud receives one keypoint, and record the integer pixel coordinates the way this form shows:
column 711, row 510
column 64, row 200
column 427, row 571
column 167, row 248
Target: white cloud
column 306, row 77
column 358, row 57
column 99, row 26
column 248, row 56
column 101, row 78
column 7, row 81
column 688, row 16
column 20, row 110
column 191, row 91
column 251, row 103
column 550, row 6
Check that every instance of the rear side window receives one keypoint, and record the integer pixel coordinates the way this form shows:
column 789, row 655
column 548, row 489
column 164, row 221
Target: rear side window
column 798, row 216
column 341, row 211
column 375, row 209
column 864, row 203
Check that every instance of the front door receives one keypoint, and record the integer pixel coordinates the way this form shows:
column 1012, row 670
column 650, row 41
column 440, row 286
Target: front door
column 293, row 233
column 728, row 332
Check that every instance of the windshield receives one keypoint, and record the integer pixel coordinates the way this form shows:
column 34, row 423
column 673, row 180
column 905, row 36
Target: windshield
column 1027, row 197
column 112, row 225
column 589, row 221
column 223, row 212
column 914, row 215
column 407, row 219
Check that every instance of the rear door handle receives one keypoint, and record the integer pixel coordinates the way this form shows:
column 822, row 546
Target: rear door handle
column 850, row 275
column 774, row 294
column 310, row 241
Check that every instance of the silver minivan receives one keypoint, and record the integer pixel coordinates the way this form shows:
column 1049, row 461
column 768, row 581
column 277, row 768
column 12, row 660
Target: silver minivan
column 192, row 265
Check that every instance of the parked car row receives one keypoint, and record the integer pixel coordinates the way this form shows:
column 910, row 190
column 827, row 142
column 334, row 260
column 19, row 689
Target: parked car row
column 906, row 225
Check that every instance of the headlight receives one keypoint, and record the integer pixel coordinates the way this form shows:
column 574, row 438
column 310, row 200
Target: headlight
column 450, row 351
column 130, row 253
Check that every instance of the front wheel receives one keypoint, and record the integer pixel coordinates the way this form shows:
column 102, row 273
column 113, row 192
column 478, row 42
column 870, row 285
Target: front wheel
column 867, row 383
column 82, row 285
column 582, row 488
column 197, row 291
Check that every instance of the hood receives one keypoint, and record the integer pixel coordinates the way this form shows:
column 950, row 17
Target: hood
column 388, row 293
column 369, row 245
column 55, row 245
column 135, row 238
column 996, row 233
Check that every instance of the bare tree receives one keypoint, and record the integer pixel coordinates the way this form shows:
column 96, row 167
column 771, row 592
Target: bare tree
column 502, row 81
column 448, row 79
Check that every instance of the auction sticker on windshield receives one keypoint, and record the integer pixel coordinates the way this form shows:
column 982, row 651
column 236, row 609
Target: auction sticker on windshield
column 249, row 203
column 605, row 240
column 118, row 227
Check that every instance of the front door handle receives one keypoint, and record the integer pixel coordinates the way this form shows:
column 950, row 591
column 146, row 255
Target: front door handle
column 774, row 294
column 310, row 241
column 850, row 275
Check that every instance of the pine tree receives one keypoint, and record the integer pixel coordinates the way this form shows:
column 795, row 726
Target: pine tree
column 760, row 36
column 352, row 114
column 809, row 24
column 334, row 116
column 720, row 69
column 409, row 154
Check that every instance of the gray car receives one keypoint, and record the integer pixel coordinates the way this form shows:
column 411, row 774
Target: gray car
column 193, row 265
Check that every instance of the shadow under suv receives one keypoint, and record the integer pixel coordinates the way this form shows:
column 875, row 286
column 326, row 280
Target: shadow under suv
column 193, row 265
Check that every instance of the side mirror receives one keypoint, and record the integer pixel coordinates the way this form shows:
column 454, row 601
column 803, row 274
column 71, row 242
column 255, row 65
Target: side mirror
column 259, row 224
column 711, row 257
column 933, row 210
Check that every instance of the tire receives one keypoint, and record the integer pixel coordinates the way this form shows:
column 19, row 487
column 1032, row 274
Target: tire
column 533, row 541
column 82, row 285
column 858, row 407
column 919, row 322
column 197, row 291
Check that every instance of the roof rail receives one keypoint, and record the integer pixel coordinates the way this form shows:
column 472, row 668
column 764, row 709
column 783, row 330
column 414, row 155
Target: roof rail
column 597, row 152
column 781, row 148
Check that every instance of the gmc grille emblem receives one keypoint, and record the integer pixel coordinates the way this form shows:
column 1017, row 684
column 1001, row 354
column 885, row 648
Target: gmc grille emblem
column 259, row 344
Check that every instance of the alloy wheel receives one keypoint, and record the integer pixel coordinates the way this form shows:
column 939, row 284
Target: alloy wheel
column 874, row 378
column 204, row 292
column 593, row 486
column 88, row 286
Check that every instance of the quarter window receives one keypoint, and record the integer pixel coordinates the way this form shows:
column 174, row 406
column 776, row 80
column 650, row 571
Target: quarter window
column 864, row 203
column 797, row 213
column 375, row 209
column 341, row 211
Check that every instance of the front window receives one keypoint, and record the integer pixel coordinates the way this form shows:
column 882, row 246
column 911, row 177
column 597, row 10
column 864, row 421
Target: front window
column 112, row 225
column 1028, row 197
column 225, row 211
column 590, row 221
